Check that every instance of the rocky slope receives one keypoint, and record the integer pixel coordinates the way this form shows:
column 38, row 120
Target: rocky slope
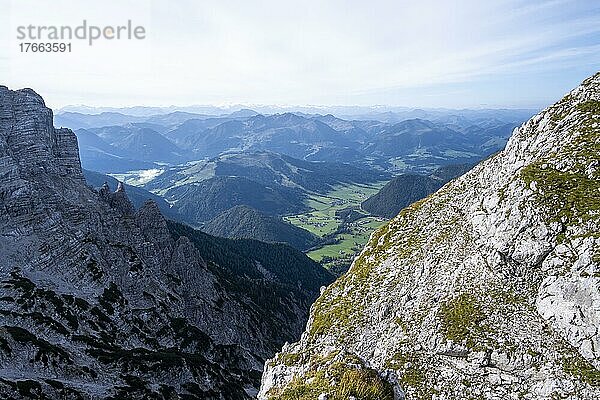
column 487, row 289
column 136, row 195
column 99, row 300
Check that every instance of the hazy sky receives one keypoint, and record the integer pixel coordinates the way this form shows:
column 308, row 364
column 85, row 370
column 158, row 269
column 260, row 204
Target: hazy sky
column 428, row 53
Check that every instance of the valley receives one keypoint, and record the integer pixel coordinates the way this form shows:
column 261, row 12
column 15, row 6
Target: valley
column 341, row 215
column 210, row 267
column 318, row 172
column 336, row 217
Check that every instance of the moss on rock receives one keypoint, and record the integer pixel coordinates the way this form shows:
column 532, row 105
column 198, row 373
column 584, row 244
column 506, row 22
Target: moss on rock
column 461, row 319
column 339, row 382
column 580, row 368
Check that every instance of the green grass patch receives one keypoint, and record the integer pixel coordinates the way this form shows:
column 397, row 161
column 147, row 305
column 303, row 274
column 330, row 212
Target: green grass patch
column 322, row 219
column 412, row 375
column 345, row 239
column 349, row 243
column 580, row 368
column 572, row 196
column 339, row 383
column 461, row 319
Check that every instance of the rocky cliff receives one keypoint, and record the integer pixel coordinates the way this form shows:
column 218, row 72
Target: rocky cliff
column 487, row 289
column 101, row 301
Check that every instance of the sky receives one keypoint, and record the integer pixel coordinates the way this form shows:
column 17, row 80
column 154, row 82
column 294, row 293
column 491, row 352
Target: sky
column 452, row 54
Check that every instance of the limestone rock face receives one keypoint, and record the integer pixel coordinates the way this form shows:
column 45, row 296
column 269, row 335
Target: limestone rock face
column 28, row 131
column 117, row 200
column 100, row 301
column 487, row 289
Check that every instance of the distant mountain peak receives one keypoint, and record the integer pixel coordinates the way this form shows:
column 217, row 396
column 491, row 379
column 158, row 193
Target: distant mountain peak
column 243, row 113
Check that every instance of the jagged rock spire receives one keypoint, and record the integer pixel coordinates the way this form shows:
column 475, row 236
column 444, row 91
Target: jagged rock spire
column 117, row 200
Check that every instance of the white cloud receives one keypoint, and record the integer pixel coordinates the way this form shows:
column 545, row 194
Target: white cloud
column 311, row 52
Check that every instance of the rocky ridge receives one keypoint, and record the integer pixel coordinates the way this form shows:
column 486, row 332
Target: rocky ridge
column 101, row 301
column 487, row 289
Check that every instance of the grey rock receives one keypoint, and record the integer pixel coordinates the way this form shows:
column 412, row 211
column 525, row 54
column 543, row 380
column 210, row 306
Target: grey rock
column 117, row 200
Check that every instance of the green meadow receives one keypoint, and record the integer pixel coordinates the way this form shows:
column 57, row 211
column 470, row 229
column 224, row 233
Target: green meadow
column 323, row 221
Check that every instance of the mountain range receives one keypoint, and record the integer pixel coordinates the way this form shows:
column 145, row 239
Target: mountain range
column 112, row 141
column 387, row 113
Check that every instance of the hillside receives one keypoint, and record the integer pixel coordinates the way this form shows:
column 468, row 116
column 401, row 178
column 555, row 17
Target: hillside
column 400, row 192
column 269, row 182
column 406, row 189
column 268, row 168
column 100, row 300
column 486, row 289
column 281, row 268
column 248, row 223
column 203, row 201
column 448, row 172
